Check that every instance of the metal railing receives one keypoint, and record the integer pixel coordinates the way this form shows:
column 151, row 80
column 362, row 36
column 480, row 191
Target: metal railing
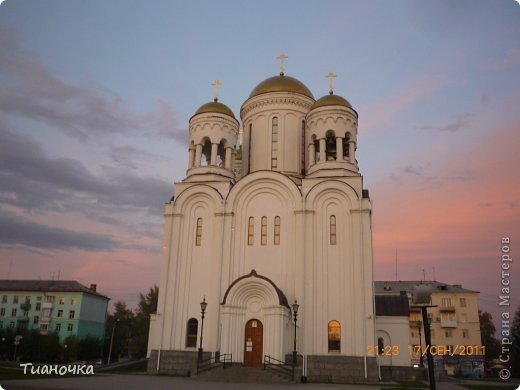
column 224, row 360
column 279, row 366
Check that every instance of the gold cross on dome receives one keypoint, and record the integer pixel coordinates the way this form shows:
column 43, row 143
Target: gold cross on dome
column 281, row 57
column 216, row 83
column 330, row 76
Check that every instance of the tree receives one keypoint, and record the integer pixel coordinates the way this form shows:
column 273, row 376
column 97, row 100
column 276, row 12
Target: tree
column 515, row 336
column 147, row 305
column 487, row 333
column 122, row 319
column 89, row 348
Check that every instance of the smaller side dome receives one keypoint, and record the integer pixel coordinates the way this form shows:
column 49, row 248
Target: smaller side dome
column 215, row 107
column 331, row 100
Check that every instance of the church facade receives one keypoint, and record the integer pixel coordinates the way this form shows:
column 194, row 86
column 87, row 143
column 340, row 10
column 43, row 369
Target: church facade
column 254, row 228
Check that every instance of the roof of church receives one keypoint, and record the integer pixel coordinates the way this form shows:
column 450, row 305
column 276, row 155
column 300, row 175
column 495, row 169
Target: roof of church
column 47, row 286
column 281, row 83
column 408, row 285
column 215, row 107
column 392, row 305
column 331, row 100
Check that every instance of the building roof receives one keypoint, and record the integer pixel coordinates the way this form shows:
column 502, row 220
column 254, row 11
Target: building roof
column 281, row 83
column 215, row 107
column 47, row 286
column 408, row 285
column 331, row 100
column 392, row 305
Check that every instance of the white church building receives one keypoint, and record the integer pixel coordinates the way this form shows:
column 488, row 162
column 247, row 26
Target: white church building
column 272, row 211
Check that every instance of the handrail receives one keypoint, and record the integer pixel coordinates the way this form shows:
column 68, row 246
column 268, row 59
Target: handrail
column 224, row 360
column 279, row 366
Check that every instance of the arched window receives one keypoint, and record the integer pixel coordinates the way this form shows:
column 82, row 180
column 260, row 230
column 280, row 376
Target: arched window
column 206, row 153
column 191, row 332
column 274, row 143
column 198, row 233
column 346, row 146
column 303, row 149
column 251, row 231
column 264, row 231
column 249, row 148
column 330, row 146
column 276, row 230
column 334, row 336
column 316, row 148
column 221, row 154
column 380, row 345
column 332, row 232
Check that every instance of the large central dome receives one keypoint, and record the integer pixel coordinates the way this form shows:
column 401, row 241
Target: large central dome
column 281, row 84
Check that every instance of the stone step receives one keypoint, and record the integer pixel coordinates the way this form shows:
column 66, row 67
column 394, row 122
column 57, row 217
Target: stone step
column 241, row 374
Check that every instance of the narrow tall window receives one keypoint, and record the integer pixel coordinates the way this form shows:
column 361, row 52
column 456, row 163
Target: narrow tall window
column 303, row 149
column 332, row 230
column 276, row 230
column 249, row 148
column 198, row 233
column 334, row 336
column 380, row 345
column 346, row 146
column 191, row 333
column 274, row 143
column 251, row 231
column 264, row 231
column 330, row 146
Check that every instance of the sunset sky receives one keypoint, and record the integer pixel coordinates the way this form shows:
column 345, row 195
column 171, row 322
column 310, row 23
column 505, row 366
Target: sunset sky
column 95, row 98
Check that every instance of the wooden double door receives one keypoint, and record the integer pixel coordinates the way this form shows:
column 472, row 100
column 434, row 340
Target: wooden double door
column 253, row 343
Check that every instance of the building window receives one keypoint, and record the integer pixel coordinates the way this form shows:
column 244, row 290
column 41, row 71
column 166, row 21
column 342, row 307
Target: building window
column 11, row 325
column 2, row 312
column 21, row 325
column 448, row 334
column 249, row 148
column 263, row 240
column 62, row 301
column 198, row 232
column 446, row 302
column 73, row 301
column 28, row 299
column 1, row 324
column 15, row 299
column 191, row 333
column 448, row 316
column 330, row 146
column 71, row 314
column 274, row 143
column 13, row 313
column 251, row 231
column 38, row 306
column 60, row 313
column 4, row 299
column 44, row 327
column 380, row 345
column 334, row 336
column 276, row 230
column 462, row 302
column 463, row 317
column 303, row 148
column 70, row 327
column 465, row 333
column 49, row 299
column 36, row 319
column 58, row 327
column 332, row 230
column 39, row 298
column 346, row 146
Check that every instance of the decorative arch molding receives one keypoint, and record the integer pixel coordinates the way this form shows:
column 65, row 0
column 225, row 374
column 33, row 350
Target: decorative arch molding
column 254, row 285
column 288, row 191
column 324, row 189
column 198, row 193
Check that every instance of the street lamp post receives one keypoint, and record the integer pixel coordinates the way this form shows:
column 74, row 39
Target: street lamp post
column 112, row 340
column 16, row 342
column 295, row 308
column 419, row 325
column 203, row 305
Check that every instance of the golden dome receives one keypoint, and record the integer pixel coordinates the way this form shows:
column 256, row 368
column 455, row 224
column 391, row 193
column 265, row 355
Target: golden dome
column 281, row 84
column 331, row 100
column 215, row 107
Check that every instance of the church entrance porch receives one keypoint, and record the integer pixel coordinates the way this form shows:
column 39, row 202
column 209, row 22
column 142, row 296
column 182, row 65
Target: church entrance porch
column 255, row 320
column 253, row 343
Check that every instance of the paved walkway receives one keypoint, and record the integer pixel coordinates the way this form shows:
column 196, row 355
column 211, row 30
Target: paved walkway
column 140, row 382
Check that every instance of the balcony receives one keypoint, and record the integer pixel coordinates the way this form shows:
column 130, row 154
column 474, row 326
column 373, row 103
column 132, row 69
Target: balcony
column 448, row 323
column 447, row 309
column 46, row 305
